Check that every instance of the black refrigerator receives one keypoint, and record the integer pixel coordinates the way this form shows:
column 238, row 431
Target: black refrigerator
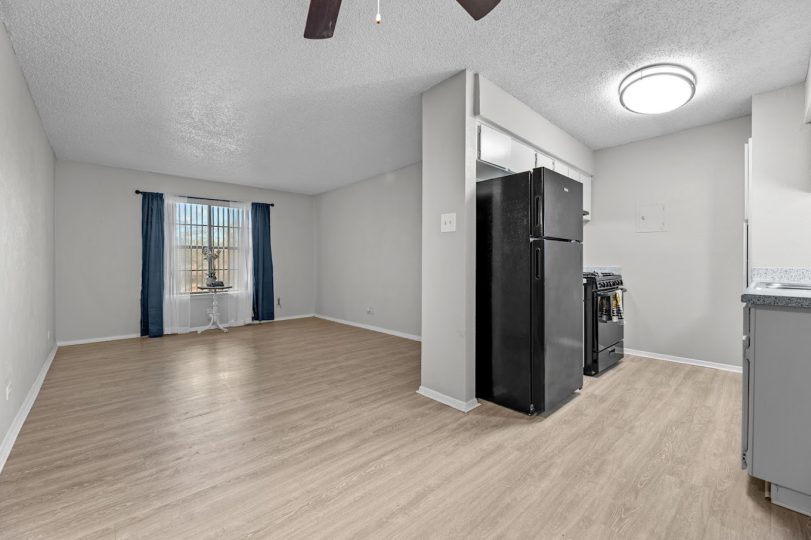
column 529, row 290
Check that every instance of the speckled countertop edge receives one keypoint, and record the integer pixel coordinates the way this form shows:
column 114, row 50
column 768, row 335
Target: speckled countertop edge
column 777, row 297
column 785, row 298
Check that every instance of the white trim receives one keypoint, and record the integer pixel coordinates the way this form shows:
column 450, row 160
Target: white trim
column 370, row 327
column 130, row 336
column 457, row 404
column 249, row 323
column 290, row 318
column 95, row 340
column 17, row 424
column 681, row 360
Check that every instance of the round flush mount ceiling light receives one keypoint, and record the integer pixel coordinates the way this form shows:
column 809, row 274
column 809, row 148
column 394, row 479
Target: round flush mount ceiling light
column 657, row 89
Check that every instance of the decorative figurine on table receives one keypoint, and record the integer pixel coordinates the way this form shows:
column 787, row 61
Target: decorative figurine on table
column 214, row 286
column 212, row 280
column 212, row 255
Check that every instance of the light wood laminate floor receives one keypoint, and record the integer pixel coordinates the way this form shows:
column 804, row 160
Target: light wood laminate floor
column 312, row 429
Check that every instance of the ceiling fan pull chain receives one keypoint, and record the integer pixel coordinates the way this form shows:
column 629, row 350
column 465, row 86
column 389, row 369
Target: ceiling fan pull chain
column 323, row 15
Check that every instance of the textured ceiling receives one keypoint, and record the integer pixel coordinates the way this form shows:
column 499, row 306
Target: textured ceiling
column 229, row 90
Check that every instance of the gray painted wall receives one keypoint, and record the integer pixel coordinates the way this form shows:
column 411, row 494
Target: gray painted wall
column 26, row 238
column 448, row 259
column 369, row 251
column 98, row 245
column 808, row 95
column 685, row 283
column 780, row 187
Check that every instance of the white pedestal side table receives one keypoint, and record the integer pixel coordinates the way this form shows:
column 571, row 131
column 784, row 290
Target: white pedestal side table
column 214, row 310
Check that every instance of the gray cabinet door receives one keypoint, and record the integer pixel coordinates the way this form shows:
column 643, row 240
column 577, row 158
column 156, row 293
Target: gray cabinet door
column 746, row 389
column 781, row 397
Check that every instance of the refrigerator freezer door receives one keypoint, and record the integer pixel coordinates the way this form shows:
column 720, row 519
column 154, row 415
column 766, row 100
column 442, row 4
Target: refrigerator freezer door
column 562, row 206
column 536, row 205
column 562, row 358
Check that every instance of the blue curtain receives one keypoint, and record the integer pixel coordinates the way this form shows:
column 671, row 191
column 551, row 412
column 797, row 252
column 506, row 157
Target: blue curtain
column 152, row 264
column 263, row 307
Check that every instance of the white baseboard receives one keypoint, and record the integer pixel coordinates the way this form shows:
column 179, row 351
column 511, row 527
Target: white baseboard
column 25, row 408
column 681, row 360
column 195, row 329
column 291, row 318
column 447, row 400
column 252, row 323
column 95, row 340
column 372, row 328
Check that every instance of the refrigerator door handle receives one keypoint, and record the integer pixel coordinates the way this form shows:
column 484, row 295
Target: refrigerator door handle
column 537, row 211
column 537, row 263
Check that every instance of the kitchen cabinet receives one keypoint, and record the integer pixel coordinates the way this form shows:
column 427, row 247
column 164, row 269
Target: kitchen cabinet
column 545, row 161
column 504, row 152
column 494, row 147
column 500, row 151
column 776, row 426
column 586, row 181
column 522, row 157
column 563, row 169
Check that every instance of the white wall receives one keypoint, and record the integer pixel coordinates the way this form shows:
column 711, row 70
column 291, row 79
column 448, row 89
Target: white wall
column 369, row 251
column 685, row 283
column 98, row 245
column 780, row 186
column 808, row 95
column 26, row 241
column 448, row 259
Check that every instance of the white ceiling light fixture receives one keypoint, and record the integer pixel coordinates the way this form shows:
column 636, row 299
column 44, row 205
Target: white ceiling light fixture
column 657, row 89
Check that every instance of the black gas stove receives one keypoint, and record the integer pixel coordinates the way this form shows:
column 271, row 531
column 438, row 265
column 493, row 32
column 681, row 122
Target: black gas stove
column 604, row 324
column 603, row 281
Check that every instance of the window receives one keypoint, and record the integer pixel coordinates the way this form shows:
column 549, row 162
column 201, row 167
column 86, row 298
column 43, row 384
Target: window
column 208, row 236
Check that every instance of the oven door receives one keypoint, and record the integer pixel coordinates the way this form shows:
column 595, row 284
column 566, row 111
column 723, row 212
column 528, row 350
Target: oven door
column 609, row 333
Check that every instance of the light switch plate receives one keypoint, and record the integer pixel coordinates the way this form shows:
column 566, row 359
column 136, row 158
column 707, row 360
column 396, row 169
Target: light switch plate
column 650, row 218
column 448, row 223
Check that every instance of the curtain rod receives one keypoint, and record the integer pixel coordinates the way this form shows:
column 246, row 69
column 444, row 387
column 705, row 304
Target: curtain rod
column 138, row 192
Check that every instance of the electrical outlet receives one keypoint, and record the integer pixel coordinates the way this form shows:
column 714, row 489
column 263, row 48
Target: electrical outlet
column 448, row 223
column 8, row 391
column 370, row 310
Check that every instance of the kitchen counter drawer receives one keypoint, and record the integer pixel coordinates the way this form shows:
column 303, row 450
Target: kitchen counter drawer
column 611, row 355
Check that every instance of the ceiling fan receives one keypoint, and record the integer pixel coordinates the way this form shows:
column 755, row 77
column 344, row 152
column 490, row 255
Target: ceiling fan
column 323, row 15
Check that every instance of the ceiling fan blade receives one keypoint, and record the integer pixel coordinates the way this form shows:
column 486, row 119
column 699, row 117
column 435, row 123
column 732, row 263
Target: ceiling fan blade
column 478, row 8
column 321, row 19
